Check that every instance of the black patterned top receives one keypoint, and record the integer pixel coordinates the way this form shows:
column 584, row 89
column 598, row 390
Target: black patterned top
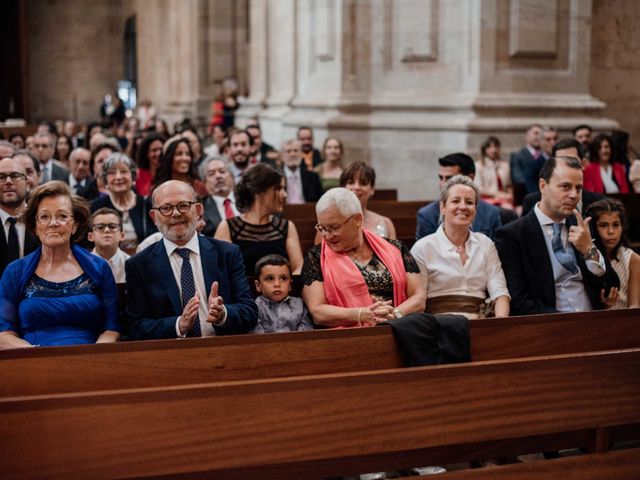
column 256, row 241
column 375, row 273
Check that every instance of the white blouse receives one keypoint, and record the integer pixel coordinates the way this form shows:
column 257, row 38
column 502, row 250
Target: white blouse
column 443, row 273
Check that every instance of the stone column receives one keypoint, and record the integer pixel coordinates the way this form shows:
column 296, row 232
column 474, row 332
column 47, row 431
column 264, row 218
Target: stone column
column 403, row 82
column 186, row 50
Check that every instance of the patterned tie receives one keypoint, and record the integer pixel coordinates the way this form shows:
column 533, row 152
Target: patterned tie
column 188, row 288
column 293, row 196
column 228, row 211
column 567, row 257
column 46, row 175
column 13, row 245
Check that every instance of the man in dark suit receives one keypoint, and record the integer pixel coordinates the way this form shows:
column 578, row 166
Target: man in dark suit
column 428, row 218
column 567, row 147
column 186, row 284
column 302, row 185
column 221, row 204
column 80, row 179
column 526, row 163
column 310, row 155
column 43, row 146
column 15, row 241
column 548, row 256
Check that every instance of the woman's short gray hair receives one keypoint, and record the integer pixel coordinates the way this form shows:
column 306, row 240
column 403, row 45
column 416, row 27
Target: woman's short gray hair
column 344, row 200
column 458, row 180
column 113, row 159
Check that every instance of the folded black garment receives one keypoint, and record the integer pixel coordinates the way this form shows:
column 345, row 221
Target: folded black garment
column 426, row 339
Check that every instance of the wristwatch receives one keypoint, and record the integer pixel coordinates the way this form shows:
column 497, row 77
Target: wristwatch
column 397, row 313
column 592, row 254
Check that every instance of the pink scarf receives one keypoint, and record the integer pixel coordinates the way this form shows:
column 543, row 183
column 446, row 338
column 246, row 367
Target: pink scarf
column 343, row 282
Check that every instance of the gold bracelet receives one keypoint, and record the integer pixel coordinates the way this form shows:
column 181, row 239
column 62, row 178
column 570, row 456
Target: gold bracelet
column 359, row 315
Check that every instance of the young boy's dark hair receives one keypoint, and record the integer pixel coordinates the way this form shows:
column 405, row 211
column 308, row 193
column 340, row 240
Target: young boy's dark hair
column 106, row 211
column 272, row 259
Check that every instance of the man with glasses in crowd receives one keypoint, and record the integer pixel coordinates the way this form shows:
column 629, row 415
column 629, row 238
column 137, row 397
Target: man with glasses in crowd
column 186, row 285
column 15, row 241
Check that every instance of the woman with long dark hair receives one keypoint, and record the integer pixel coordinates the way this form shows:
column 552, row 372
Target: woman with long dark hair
column 259, row 230
column 177, row 163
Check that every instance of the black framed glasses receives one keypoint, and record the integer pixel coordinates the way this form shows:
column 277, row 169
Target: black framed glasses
column 101, row 227
column 167, row 209
column 331, row 229
column 14, row 176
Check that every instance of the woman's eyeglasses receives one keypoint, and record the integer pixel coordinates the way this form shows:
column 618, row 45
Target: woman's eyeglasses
column 331, row 229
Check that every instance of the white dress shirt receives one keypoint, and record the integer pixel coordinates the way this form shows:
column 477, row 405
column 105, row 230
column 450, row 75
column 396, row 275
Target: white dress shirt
column 295, row 194
column 610, row 186
column 220, row 204
column 20, row 229
column 198, row 275
column 444, row 274
column 116, row 262
column 571, row 295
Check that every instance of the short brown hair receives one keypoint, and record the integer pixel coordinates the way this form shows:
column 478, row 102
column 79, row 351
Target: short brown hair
column 106, row 211
column 358, row 171
column 79, row 206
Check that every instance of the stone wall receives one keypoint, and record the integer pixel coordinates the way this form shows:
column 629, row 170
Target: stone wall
column 615, row 62
column 75, row 56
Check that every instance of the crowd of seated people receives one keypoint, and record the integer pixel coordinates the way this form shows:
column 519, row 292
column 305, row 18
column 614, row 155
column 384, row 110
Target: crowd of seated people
column 187, row 222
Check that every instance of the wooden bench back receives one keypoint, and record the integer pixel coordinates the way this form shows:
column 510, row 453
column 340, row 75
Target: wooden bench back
column 314, row 426
column 40, row 371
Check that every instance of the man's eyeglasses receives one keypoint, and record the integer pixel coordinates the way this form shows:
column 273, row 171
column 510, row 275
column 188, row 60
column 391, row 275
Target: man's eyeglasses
column 15, row 177
column 167, row 209
column 101, row 227
column 61, row 218
column 331, row 229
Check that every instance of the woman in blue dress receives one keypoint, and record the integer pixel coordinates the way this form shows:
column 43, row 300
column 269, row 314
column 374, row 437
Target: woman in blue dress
column 60, row 294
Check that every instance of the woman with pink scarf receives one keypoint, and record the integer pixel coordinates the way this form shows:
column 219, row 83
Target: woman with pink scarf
column 354, row 277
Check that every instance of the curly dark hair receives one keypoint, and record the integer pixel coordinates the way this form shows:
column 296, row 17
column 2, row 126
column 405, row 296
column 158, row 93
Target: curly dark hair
column 79, row 207
column 143, row 152
column 165, row 168
column 256, row 180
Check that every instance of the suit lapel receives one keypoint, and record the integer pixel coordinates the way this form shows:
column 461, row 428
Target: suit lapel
column 209, row 260
column 161, row 270
column 211, row 213
column 540, row 260
column 30, row 243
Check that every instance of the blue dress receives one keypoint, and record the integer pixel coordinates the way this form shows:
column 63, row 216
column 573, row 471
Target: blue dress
column 59, row 313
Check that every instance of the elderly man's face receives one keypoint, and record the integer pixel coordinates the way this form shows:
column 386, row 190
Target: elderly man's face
column 43, row 147
column 218, row 178
column 179, row 227
column 79, row 163
column 341, row 233
column 292, row 154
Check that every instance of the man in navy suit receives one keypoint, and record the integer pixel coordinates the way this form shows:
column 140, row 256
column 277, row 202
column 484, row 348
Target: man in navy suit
column 487, row 216
column 548, row 256
column 186, row 284
column 525, row 164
